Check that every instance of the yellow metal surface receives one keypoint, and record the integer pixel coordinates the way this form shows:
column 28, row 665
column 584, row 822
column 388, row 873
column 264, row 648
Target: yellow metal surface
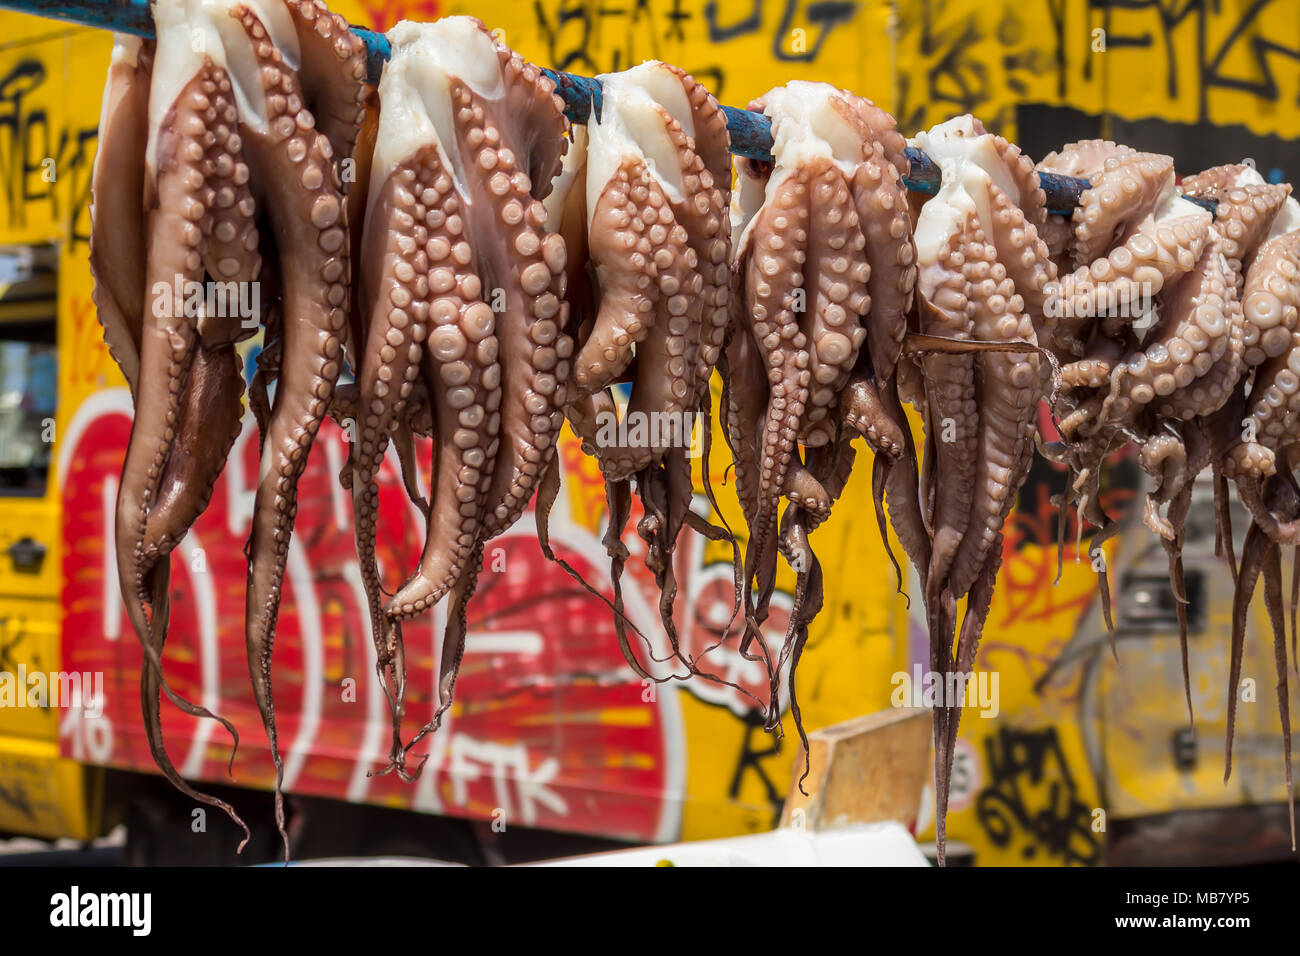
column 50, row 78
column 1029, row 781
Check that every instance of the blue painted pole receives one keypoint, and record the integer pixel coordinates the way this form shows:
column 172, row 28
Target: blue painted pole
column 751, row 133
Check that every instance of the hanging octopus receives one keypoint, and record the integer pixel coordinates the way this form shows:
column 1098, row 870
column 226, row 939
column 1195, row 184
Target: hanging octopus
column 229, row 145
column 642, row 204
column 982, row 278
column 825, row 269
column 1262, row 460
column 513, row 273
column 463, row 291
column 1144, row 314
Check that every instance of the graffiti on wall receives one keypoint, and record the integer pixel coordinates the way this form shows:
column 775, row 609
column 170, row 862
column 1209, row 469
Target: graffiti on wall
column 1032, row 800
column 45, row 159
column 550, row 728
column 1184, row 61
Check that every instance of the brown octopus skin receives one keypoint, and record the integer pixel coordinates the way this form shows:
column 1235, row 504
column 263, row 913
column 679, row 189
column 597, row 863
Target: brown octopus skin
column 175, row 452
column 394, row 278
column 117, row 257
column 952, row 412
column 300, row 195
column 882, row 208
column 535, row 353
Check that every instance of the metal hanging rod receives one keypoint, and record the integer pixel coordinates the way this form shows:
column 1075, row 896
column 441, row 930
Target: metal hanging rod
column 751, row 133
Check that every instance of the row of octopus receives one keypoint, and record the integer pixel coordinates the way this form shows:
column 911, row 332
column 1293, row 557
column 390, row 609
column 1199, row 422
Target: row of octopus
column 442, row 256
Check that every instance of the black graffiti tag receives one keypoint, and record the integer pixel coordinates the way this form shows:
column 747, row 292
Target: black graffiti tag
column 824, row 14
column 27, row 145
column 598, row 36
column 1031, row 793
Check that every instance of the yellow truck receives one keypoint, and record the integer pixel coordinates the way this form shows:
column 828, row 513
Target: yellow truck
column 1070, row 758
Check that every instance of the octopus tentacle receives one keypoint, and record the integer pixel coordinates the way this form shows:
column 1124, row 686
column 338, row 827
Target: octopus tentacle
column 745, row 406
column 455, row 348
column 838, row 267
column 951, row 400
column 394, row 275
column 781, row 235
column 175, row 212
column 1261, row 554
column 309, row 224
column 1194, row 332
column 864, row 412
column 1007, row 407
column 705, row 161
column 972, row 629
column 117, row 257
column 151, row 682
column 333, row 74
column 626, row 272
column 1271, row 298
column 535, row 352
column 880, row 199
column 1212, row 181
column 1125, row 190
